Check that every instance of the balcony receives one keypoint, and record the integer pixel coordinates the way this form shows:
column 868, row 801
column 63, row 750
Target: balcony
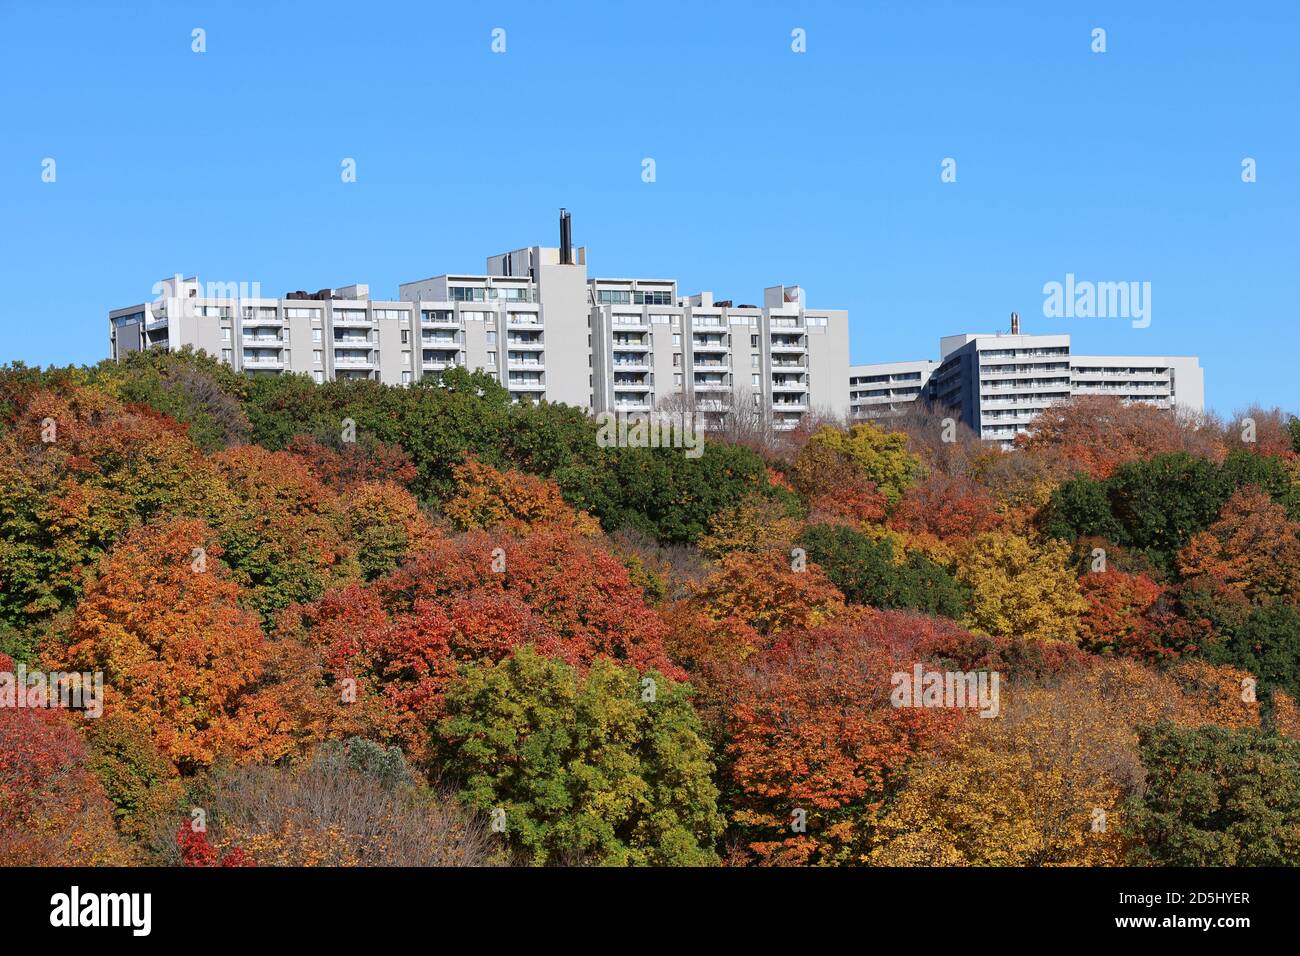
column 631, row 365
column 353, row 360
column 439, row 318
column 523, row 320
column 351, row 318
column 788, row 347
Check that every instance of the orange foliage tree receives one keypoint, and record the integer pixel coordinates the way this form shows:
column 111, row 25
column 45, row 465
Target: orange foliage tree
column 816, row 746
column 512, row 502
column 1254, row 548
column 1097, row 433
column 180, row 654
column 1117, row 619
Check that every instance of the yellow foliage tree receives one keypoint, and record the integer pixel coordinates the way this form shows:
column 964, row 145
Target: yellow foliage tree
column 753, row 524
column 1043, row 784
column 833, row 455
column 1019, row 589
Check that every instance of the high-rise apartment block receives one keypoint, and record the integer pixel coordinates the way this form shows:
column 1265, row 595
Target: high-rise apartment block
column 539, row 324
column 998, row 383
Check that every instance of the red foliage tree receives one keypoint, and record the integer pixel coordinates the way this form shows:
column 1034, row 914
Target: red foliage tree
column 401, row 638
column 947, row 507
column 813, row 730
column 1118, row 620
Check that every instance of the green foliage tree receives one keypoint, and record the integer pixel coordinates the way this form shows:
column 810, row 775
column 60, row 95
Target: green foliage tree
column 867, row 572
column 1267, row 645
column 585, row 768
column 1216, row 797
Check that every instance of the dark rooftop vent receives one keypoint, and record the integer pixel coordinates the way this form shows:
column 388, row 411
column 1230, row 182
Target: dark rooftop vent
column 566, row 238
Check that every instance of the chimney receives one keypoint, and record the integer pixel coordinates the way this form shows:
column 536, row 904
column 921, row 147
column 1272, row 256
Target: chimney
column 566, row 238
column 1015, row 323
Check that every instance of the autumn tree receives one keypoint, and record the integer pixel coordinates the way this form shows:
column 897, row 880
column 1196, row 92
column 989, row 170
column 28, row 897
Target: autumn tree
column 1254, row 547
column 342, row 465
column 510, row 502
column 865, row 451
column 607, row 768
column 400, row 639
column 52, row 809
column 1097, row 433
column 181, row 655
column 945, row 507
column 762, row 595
column 816, row 747
column 385, row 526
column 855, row 502
column 1019, row 588
column 754, row 524
column 77, row 471
column 1118, row 620
column 284, row 534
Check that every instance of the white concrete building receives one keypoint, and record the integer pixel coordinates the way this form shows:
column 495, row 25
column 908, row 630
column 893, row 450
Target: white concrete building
column 998, row 383
column 540, row 325
column 887, row 388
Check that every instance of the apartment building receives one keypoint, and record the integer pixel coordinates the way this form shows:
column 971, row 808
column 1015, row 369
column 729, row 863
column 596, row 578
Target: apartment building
column 998, row 383
column 535, row 321
column 887, row 388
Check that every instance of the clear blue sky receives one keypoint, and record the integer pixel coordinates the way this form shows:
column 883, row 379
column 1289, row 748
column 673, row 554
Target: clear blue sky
column 819, row 169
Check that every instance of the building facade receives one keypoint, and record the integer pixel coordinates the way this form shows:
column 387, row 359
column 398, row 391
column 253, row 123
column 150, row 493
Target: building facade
column 536, row 322
column 998, row 383
column 887, row 388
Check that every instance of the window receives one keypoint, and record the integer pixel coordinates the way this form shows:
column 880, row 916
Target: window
column 492, row 357
column 225, row 334
column 313, row 314
column 491, row 336
column 677, row 379
column 753, row 361
column 753, row 341
column 318, row 357
column 677, row 360
column 677, row 338
column 406, row 378
column 406, row 337
column 226, row 355
column 756, row 381
column 288, row 357
column 319, row 376
column 315, row 335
